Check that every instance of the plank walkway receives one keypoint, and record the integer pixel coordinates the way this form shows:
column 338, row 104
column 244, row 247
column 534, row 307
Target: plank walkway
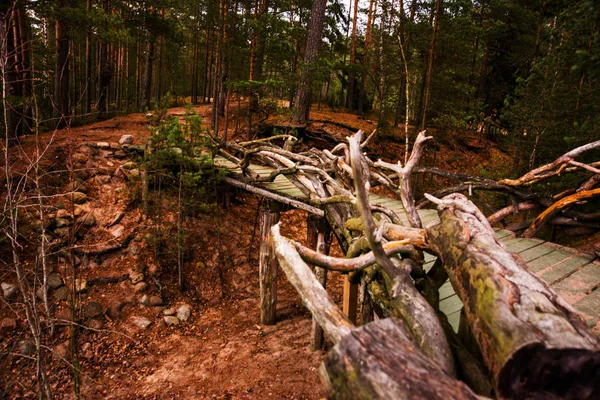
column 573, row 275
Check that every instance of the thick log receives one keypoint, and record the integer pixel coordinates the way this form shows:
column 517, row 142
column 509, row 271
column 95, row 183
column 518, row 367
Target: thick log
column 380, row 361
column 533, row 342
column 267, row 267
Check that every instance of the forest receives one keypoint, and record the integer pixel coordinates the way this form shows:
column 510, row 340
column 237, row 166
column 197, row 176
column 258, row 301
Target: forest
column 303, row 199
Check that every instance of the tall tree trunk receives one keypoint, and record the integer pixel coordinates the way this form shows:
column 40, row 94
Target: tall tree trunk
column 61, row 71
column 363, row 81
column 352, row 75
column 436, row 17
column 303, row 96
column 147, row 90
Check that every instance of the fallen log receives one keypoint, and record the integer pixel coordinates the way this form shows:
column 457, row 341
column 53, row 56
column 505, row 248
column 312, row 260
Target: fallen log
column 379, row 360
column 533, row 342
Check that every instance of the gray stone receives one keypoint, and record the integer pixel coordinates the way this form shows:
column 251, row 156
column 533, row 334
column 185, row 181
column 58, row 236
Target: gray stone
column 77, row 197
column 115, row 145
column 8, row 324
column 61, row 352
column 129, row 165
column 40, row 292
column 141, row 322
column 120, row 154
column 135, row 173
column 140, row 287
column 114, row 309
column 88, row 219
column 126, row 139
column 55, row 280
column 95, row 324
column 116, row 230
column 102, row 179
column 81, row 285
column 103, row 145
column 76, row 186
column 61, row 222
column 170, row 320
column 26, row 347
column 9, row 291
column 93, row 309
column 151, row 301
column 136, row 277
column 184, row 312
column 62, row 293
column 169, row 311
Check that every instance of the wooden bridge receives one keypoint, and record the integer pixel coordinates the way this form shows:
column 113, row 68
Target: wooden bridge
column 572, row 274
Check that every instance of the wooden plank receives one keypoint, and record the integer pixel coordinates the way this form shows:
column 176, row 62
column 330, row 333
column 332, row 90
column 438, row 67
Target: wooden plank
column 454, row 320
column 520, row 244
column 502, row 233
column 589, row 306
column 538, row 251
column 446, row 291
column 564, row 268
column 350, row 298
column 451, row 304
column 575, row 287
column 548, row 260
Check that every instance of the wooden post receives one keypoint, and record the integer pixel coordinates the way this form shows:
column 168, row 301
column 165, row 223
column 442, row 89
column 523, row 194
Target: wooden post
column 269, row 216
column 350, row 299
column 318, row 234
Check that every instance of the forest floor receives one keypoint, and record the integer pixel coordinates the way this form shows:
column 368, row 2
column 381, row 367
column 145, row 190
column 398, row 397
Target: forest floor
column 221, row 351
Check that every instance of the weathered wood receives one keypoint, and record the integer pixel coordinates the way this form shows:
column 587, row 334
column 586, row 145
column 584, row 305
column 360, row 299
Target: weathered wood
column 349, row 299
column 408, row 303
column 334, row 323
column 273, row 196
column 267, row 267
column 530, row 338
column 559, row 205
column 318, row 233
column 380, row 361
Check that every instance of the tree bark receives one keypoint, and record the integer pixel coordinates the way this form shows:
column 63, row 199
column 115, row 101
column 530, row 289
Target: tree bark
column 436, row 17
column 303, row 96
column 267, row 267
column 530, row 338
column 61, row 71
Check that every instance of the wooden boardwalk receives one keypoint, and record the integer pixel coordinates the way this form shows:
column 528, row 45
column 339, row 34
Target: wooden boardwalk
column 573, row 275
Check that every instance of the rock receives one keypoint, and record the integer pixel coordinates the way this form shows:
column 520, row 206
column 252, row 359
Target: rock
column 170, row 320
column 40, row 292
column 151, row 301
column 136, row 277
column 95, row 324
column 62, row 232
column 55, row 280
column 126, row 139
column 103, row 145
column 62, row 293
column 9, row 291
column 86, row 350
column 60, row 205
column 140, row 287
column 93, row 309
column 61, row 352
column 76, row 186
column 8, row 324
column 88, row 219
column 80, row 158
column 63, row 316
column 116, row 230
column 120, row 154
column 115, row 308
column 135, row 173
column 61, row 223
column 81, row 285
column 129, row 165
column 63, row 214
column 26, row 347
column 169, row 312
column 141, row 322
column 115, row 146
column 102, row 179
column 77, row 197
column 184, row 312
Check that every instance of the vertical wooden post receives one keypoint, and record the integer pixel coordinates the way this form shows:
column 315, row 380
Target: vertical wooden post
column 350, row 299
column 318, row 235
column 269, row 216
